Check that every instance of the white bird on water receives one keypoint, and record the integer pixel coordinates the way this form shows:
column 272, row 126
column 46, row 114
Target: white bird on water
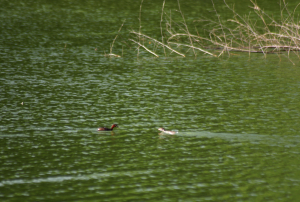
column 167, row 131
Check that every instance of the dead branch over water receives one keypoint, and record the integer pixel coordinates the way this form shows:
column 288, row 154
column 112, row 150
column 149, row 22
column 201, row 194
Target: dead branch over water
column 239, row 33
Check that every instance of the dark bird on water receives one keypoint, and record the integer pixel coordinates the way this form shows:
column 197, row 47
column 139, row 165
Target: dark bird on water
column 108, row 129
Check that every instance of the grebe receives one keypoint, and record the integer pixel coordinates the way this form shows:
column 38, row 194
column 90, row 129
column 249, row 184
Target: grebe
column 107, row 129
column 167, row 131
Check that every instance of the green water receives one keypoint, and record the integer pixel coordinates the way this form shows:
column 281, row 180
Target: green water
column 237, row 117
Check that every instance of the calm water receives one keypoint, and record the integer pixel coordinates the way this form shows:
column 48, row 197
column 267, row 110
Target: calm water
column 237, row 117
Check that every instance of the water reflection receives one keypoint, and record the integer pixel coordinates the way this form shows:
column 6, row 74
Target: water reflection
column 106, row 133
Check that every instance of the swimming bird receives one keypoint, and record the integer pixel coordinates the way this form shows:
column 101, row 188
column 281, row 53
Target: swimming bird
column 108, row 129
column 167, row 131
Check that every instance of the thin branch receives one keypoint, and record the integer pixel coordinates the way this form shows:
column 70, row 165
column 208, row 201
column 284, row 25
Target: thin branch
column 158, row 43
column 161, row 30
column 193, row 47
column 144, row 47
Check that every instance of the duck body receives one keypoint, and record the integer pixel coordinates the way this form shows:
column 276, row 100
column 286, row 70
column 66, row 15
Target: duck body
column 108, row 129
column 167, row 131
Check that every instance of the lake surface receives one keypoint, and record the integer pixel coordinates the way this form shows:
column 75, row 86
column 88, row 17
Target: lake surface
column 237, row 116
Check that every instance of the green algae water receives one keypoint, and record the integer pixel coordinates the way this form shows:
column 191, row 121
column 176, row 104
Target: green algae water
column 237, row 117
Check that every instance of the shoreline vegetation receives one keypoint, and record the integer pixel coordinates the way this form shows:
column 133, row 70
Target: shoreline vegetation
column 239, row 34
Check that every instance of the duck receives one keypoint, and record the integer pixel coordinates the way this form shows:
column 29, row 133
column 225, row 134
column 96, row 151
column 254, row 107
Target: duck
column 108, row 129
column 167, row 131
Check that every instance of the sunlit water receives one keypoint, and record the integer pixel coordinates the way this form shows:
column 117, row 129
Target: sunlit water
column 237, row 117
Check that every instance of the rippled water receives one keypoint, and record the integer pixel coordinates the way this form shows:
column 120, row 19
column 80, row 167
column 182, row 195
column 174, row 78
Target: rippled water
column 237, row 117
